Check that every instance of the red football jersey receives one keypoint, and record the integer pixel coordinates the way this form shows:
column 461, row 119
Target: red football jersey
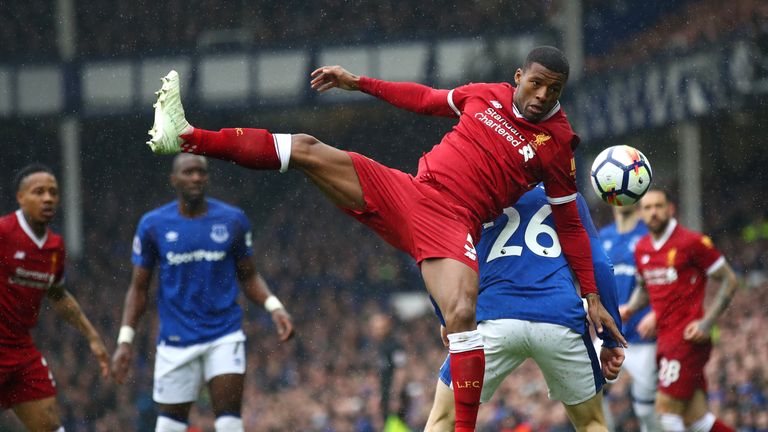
column 29, row 266
column 675, row 270
column 493, row 155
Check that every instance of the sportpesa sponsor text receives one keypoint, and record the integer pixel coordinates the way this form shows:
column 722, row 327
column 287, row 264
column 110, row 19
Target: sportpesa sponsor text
column 195, row 256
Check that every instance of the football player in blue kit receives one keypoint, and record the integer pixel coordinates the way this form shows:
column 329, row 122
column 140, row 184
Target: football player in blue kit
column 619, row 240
column 529, row 307
column 202, row 247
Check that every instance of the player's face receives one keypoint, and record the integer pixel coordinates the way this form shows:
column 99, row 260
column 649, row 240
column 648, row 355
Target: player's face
column 538, row 90
column 656, row 211
column 190, row 177
column 38, row 197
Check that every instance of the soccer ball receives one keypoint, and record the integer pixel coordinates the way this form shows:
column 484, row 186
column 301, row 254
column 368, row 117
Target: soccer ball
column 621, row 175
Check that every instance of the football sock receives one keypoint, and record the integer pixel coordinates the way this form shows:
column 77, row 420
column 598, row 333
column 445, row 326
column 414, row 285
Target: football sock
column 467, row 370
column 251, row 148
column 646, row 415
column 721, row 427
column 228, row 423
column 671, row 423
column 167, row 424
column 704, row 424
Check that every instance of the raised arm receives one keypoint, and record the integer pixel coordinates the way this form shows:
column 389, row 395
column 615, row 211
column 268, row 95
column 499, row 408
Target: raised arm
column 409, row 96
column 68, row 309
column 256, row 289
column 134, row 308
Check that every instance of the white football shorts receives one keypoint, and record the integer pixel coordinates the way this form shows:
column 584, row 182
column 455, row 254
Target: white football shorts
column 181, row 371
column 640, row 363
column 567, row 359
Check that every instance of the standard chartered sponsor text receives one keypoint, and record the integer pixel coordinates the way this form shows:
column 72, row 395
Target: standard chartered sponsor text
column 194, row 256
column 500, row 126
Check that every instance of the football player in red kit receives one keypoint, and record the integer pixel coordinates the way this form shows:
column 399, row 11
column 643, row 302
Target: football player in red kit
column 32, row 267
column 507, row 140
column 675, row 265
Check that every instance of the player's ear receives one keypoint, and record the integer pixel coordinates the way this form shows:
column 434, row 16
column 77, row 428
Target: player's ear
column 518, row 75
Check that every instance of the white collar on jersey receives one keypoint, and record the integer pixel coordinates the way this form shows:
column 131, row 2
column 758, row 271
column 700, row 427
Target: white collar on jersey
column 39, row 241
column 551, row 112
column 657, row 244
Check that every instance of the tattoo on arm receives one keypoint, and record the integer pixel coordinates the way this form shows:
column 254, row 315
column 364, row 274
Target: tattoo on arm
column 727, row 288
column 639, row 298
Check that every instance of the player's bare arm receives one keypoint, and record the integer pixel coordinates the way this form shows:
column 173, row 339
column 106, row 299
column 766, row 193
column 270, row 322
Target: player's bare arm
column 638, row 300
column 698, row 331
column 256, row 289
column 328, row 77
column 600, row 317
column 134, row 308
column 646, row 328
column 69, row 309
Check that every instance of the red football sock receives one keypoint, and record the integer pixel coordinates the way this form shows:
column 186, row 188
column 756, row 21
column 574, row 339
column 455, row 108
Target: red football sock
column 721, row 427
column 251, row 148
column 467, row 369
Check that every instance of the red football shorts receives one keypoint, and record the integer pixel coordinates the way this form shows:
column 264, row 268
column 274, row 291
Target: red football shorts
column 414, row 215
column 24, row 377
column 681, row 368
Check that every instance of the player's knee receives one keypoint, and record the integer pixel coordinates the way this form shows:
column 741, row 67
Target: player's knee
column 461, row 317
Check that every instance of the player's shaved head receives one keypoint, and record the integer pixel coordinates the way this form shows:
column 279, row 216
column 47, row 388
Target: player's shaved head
column 21, row 177
column 181, row 158
column 549, row 57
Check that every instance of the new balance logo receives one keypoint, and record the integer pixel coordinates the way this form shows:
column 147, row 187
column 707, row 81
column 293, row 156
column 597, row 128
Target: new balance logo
column 496, row 104
column 469, row 249
column 19, row 255
column 527, row 152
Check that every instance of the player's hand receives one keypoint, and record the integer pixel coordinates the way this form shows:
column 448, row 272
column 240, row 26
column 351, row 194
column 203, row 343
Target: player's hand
column 284, row 324
column 611, row 360
column 625, row 313
column 695, row 333
column 100, row 351
column 646, row 328
column 601, row 318
column 328, row 77
column 444, row 336
column 121, row 362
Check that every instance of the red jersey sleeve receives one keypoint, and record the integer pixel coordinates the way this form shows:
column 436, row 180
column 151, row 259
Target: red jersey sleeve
column 705, row 256
column 409, row 96
column 58, row 261
column 560, row 176
column 575, row 243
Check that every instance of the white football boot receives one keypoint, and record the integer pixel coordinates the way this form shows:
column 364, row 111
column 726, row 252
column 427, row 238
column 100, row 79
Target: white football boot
column 169, row 118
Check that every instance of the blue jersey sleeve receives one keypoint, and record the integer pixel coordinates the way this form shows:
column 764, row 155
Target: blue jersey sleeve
column 243, row 245
column 606, row 282
column 144, row 252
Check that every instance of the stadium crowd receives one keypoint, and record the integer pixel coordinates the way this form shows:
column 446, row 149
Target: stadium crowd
column 326, row 379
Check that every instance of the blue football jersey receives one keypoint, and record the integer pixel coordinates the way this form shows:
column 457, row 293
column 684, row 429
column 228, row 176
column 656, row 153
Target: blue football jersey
column 524, row 274
column 620, row 247
column 198, row 288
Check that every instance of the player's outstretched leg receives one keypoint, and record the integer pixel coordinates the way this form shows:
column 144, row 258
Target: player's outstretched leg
column 329, row 168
